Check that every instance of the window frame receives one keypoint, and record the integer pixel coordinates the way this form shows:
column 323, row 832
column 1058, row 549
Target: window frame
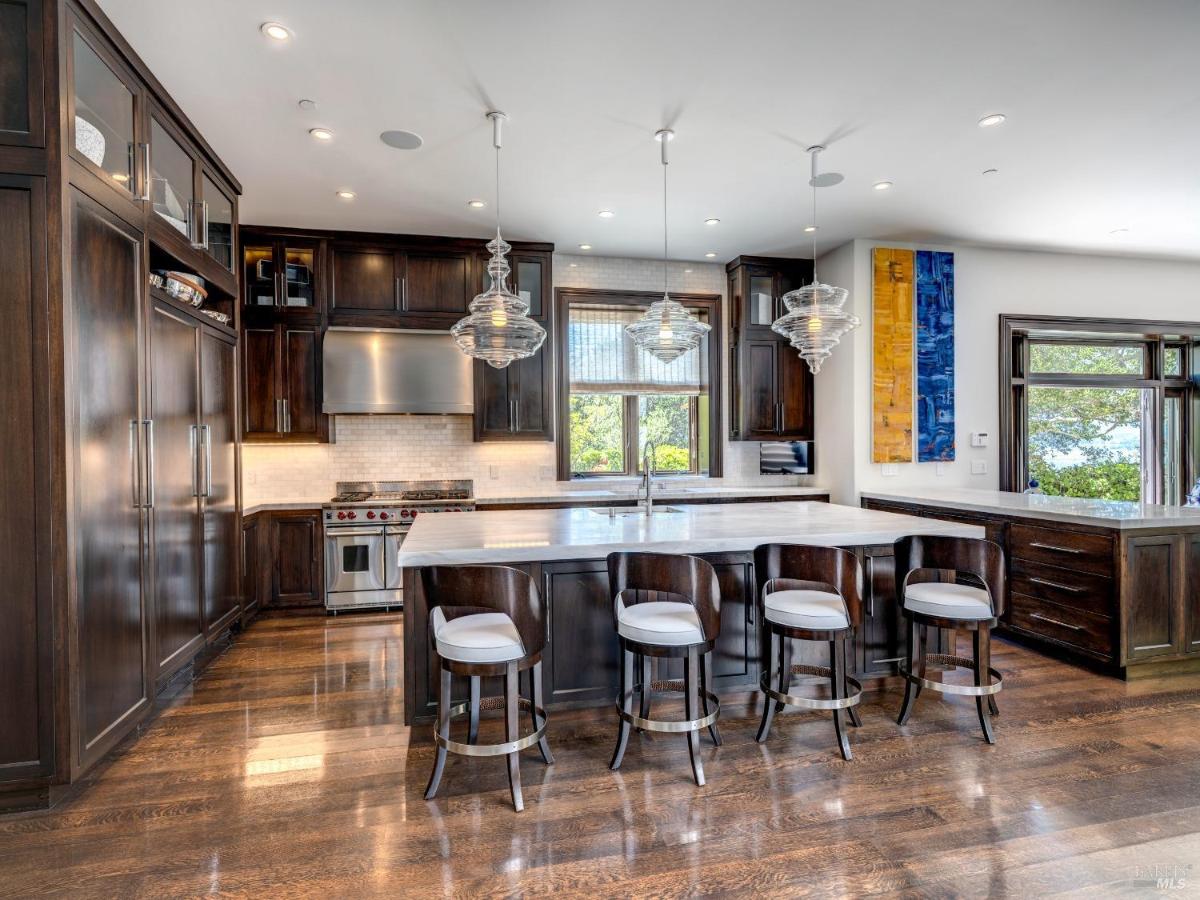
column 564, row 298
column 1019, row 333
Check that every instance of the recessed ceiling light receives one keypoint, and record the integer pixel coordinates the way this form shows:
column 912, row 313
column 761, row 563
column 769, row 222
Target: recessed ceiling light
column 1119, row 231
column 574, row 265
column 321, row 134
column 606, row 214
column 687, row 271
column 477, row 204
column 585, row 246
column 809, row 229
column 711, row 253
column 991, row 119
column 347, row 195
column 275, row 31
column 402, row 140
column 991, row 171
column 713, row 221
column 307, row 105
column 882, row 185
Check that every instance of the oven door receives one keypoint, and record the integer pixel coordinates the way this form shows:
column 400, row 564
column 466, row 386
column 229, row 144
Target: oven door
column 391, row 565
column 353, row 559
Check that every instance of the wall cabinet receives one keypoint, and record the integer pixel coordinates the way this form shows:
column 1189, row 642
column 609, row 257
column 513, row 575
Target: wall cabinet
column 282, row 384
column 390, row 286
column 22, row 107
column 771, row 386
column 281, row 276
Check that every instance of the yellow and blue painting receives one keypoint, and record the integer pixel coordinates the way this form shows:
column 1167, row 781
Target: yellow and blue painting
column 935, row 356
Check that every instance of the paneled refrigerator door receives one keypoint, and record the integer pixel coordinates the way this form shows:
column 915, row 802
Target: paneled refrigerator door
column 218, row 482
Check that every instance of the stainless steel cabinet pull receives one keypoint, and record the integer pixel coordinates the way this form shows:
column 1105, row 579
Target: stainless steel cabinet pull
column 546, row 601
column 145, row 198
column 279, row 415
column 135, row 459
column 402, row 293
column 198, row 224
column 150, row 474
column 1042, row 618
column 1057, row 586
column 192, row 429
column 287, row 417
column 206, row 434
column 1056, row 548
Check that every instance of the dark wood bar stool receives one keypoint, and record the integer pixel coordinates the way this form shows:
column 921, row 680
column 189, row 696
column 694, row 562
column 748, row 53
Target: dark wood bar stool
column 665, row 606
column 487, row 621
column 808, row 594
column 973, row 602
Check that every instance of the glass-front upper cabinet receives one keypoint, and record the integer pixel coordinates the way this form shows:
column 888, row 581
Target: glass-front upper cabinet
column 527, row 283
column 103, row 133
column 298, row 280
column 280, row 274
column 172, row 179
column 761, row 302
column 217, row 218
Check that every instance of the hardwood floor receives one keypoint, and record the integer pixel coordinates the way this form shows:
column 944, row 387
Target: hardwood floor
column 284, row 770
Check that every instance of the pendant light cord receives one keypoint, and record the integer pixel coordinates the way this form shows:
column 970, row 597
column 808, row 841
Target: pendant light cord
column 814, row 213
column 665, row 138
column 496, row 141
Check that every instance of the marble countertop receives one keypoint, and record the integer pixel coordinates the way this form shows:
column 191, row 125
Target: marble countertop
column 1117, row 514
column 662, row 491
column 561, row 534
column 281, row 507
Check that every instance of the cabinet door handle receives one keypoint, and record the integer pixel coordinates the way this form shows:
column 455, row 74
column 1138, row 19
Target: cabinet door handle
column 1051, row 621
column 287, row 416
column 278, row 415
column 206, row 434
column 280, row 289
column 1056, row 548
column 198, row 224
column 402, row 293
column 135, row 459
column 150, row 473
column 193, row 454
column 545, row 601
column 1057, row 586
column 145, row 148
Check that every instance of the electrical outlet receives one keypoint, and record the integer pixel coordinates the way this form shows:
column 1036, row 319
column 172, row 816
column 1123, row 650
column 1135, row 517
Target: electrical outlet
column 979, row 467
column 890, row 470
column 493, row 472
column 939, row 469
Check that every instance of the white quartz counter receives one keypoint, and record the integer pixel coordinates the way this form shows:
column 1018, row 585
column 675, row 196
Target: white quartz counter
column 663, row 491
column 558, row 534
column 1117, row 514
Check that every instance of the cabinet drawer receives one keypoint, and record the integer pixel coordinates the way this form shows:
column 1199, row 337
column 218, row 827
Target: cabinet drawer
column 1079, row 590
column 1066, row 549
column 1063, row 624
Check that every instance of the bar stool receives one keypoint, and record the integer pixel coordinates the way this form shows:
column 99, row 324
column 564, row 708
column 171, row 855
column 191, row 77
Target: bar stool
column 666, row 606
column 809, row 594
column 974, row 605
column 487, row 621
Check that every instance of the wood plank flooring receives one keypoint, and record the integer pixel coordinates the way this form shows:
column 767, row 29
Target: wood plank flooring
column 285, row 771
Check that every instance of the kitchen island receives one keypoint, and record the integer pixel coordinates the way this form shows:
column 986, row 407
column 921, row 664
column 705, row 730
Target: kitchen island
column 1110, row 583
column 565, row 549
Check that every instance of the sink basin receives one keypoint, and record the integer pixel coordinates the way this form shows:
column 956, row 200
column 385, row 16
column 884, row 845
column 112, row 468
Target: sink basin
column 631, row 510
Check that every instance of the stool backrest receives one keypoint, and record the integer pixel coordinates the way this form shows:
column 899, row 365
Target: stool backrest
column 466, row 590
column 646, row 577
column 983, row 560
column 781, row 567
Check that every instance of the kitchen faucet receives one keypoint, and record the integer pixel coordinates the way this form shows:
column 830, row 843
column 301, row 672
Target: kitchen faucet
column 648, row 454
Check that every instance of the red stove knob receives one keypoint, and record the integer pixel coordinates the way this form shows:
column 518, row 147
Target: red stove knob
column 352, row 515
column 383, row 515
column 341, row 515
column 371, row 514
column 413, row 513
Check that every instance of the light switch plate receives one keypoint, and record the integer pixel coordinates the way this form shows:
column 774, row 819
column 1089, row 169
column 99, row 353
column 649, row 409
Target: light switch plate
column 890, row 470
column 979, row 439
column 979, row 467
column 939, row 469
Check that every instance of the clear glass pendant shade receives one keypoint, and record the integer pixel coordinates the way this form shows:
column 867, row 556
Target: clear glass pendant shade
column 815, row 321
column 498, row 329
column 667, row 331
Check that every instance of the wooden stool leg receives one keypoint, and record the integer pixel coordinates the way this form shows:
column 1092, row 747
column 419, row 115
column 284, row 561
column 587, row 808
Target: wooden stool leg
column 439, row 763
column 785, row 669
column 512, row 732
column 691, row 679
column 847, row 649
column 983, row 661
column 647, row 675
column 773, row 660
column 535, row 696
column 473, row 725
column 837, row 686
column 706, row 680
column 916, row 651
column 626, row 704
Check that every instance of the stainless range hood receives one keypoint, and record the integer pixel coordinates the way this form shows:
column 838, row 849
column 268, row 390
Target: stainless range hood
column 371, row 370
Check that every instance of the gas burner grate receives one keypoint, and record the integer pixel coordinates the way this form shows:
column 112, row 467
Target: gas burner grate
column 351, row 497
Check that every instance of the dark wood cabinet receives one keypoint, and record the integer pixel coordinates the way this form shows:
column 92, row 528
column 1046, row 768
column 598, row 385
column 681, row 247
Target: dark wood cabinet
column 387, row 285
column 366, row 280
column 282, row 384
column 1191, row 593
column 22, row 106
column 582, row 656
column 219, row 510
column 436, row 283
column 296, row 559
column 771, row 388
column 281, row 276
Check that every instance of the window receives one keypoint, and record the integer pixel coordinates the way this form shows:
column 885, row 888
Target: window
column 1097, row 409
column 618, row 399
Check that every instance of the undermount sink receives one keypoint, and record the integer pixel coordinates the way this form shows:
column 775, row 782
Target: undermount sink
column 631, row 510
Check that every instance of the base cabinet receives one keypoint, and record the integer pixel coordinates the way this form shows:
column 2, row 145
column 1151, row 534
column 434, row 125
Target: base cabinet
column 297, row 566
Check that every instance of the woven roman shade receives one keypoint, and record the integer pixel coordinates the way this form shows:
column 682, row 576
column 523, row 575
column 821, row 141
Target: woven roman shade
column 602, row 359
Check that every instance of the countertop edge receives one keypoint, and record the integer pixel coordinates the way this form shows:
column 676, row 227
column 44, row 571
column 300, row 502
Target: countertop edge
column 1072, row 518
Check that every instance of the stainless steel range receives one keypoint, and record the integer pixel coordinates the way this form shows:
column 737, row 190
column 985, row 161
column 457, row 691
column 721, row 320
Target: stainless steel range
column 365, row 525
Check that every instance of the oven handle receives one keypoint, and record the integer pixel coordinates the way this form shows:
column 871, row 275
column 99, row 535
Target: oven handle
column 338, row 532
column 391, row 560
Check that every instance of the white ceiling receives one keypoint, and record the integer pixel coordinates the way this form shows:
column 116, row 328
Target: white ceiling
column 1102, row 99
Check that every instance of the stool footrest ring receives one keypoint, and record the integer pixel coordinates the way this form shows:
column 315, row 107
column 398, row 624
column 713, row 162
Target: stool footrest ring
column 503, row 749
column 855, row 686
column 955, row 662
column 670, row 726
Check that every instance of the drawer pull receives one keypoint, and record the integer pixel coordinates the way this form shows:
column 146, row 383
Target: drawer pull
column 1051, row 621
column 1056, row 548
column 1057, row 586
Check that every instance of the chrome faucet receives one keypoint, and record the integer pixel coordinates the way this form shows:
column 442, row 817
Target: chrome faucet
column 648, row 474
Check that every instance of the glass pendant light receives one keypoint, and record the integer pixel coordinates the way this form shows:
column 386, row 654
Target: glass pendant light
column 498, row 329
column 666, row 330
column 815, row 320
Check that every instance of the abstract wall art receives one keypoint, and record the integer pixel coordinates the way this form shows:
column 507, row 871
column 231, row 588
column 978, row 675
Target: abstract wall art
column 892, row 356
column 935, row 356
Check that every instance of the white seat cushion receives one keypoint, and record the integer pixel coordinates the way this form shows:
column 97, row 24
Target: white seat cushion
column 480, row 637
column 660, row 623
column 818, row 610
column 948, row 600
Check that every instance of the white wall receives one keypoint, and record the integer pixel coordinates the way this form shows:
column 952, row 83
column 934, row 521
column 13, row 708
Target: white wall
column 988, row 283
column 371, row 448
